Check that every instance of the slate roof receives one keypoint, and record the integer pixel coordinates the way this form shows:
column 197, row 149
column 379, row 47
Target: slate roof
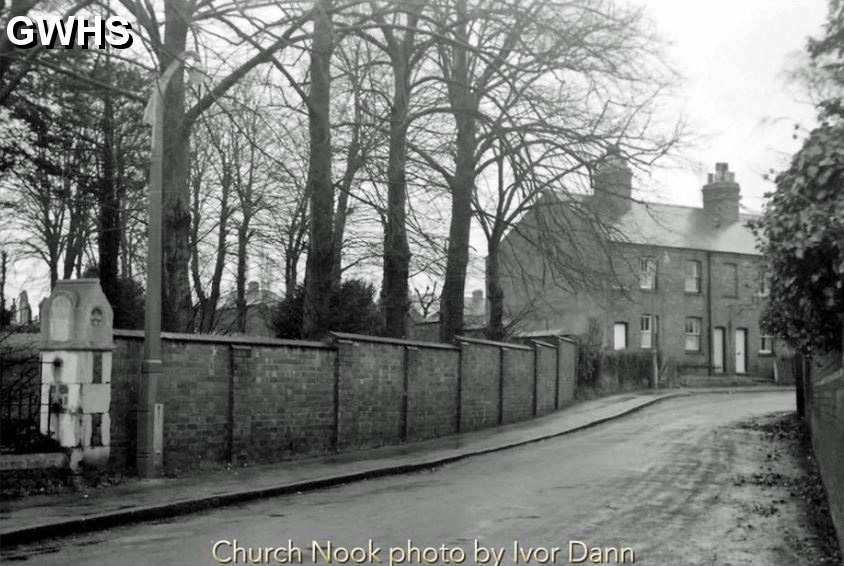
column 677, row 226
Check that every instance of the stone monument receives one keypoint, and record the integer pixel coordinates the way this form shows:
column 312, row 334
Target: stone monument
column 76, row 352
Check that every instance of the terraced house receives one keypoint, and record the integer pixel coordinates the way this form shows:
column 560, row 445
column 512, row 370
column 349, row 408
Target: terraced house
column 686, row 281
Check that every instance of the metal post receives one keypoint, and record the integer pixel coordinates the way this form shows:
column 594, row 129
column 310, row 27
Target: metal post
column 149, row 461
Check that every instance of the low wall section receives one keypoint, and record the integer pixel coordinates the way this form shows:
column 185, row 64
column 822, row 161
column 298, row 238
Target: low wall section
column 824, row 411
column 243, row 399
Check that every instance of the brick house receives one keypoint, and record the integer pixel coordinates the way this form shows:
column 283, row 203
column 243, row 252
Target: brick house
column 686, row 281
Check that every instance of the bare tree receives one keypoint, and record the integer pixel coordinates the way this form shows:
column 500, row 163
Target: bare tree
column 320, row 189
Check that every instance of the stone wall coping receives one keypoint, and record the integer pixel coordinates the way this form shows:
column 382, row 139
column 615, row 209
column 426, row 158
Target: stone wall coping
column 392, row 341
column 224, row 339
column 483, row 342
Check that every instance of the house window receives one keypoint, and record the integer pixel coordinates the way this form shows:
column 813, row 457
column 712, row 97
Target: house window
column 647, row 273
column 766, row 345
column 647, row 327
column 730, row 280
column 692, row 334
column 692, row 276
column 764, row 284
column 619, row 336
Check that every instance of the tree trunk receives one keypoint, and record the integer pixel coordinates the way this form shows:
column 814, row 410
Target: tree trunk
column 495, row 295
column 4, row 258
column 176, row 224
column 396, row 249
column 451, row 303
column 353, row 159
column 208, row 303
column 464, row 105
column 108, row 229
column 240, row 302
column 320, row 190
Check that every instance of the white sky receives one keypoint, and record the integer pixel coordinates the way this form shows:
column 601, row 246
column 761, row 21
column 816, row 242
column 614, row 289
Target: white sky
column 733, row 56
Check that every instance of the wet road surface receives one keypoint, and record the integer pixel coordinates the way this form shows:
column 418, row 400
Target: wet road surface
column 660, row 482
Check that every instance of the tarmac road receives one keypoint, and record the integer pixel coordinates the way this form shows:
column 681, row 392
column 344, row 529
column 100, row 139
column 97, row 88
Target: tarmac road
column 661, row 482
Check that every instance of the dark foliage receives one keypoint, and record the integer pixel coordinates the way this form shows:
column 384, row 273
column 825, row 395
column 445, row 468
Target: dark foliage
column 127, row 303
column 352, row 309
column 802, row 232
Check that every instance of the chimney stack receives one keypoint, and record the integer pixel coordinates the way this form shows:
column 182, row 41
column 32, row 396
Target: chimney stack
column 721, row 195
column 613, row 184
column 477, row 301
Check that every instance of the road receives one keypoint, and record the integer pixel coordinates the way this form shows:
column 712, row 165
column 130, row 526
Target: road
column 661, row 482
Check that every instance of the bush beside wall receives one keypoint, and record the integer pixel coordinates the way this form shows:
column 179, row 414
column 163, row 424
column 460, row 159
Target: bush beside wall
column 603, row 372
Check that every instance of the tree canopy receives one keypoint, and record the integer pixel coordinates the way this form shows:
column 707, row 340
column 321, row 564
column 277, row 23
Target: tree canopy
column 802, row 230
column 803, row 239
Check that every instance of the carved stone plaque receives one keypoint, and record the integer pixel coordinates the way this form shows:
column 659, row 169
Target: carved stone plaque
column 61, row 312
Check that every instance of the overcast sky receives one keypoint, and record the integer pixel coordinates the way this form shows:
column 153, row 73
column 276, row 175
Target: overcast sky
column 733, row 55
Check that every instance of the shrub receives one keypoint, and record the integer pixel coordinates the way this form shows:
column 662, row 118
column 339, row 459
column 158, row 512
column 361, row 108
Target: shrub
column 352, row 307
column 632, row 369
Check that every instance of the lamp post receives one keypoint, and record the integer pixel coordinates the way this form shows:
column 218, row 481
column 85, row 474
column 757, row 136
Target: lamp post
column 149, row 454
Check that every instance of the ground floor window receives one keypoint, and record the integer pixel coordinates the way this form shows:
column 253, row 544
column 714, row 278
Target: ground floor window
column 692, row 334
column 619, row 336
column 766, row 345
column 647, row 327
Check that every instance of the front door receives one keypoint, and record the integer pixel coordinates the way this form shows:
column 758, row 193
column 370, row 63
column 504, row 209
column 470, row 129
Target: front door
column 741, row 350
column 718, row 349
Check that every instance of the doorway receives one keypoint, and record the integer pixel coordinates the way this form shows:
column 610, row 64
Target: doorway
column 718, row 335
column 741, row 350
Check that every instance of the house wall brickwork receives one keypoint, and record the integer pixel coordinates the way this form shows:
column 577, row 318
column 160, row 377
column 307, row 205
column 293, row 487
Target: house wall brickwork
column 242, row 399
column 730, row 306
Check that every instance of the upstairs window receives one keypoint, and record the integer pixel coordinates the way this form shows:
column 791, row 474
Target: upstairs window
column 647, row 327
column 692, row 276
column 647, row 273
column 692, row 334
column 764, row 284
column 619, row 336
column 730, row 280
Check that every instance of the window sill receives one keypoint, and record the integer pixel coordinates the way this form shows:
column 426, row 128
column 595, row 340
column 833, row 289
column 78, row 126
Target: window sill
column 694, row 352
column 766, row 354
column 692, row 293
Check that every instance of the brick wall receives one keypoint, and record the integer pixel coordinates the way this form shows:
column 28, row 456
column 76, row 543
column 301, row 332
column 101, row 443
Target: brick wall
column 546, row 377
column 480, row 368
column 517, row 384
column 567, row 370
column 246, row 399
column 433, row 392
column 283, row 401
column 823, row 389
column 371, row 386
